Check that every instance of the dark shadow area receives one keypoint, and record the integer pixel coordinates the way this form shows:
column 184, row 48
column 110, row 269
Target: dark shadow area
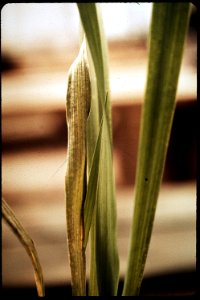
column 181, row 155
column 172, row 284
column 175, row 284
column 9, row 63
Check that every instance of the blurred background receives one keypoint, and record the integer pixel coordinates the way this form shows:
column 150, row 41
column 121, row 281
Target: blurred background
column 39, row 41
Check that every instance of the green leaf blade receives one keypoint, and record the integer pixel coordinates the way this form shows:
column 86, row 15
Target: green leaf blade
column 91, row 195
column 106, row 251
column 168, row 30
column 104, row 259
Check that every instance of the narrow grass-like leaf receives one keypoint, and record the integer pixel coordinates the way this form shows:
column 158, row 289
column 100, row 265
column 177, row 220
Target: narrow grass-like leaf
column 104, row 256
column 28, row 244
column 168, row 31
column 105, row 230
column 93, row 27
column 77, row 109
column 92, row 137
column 92, row 186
